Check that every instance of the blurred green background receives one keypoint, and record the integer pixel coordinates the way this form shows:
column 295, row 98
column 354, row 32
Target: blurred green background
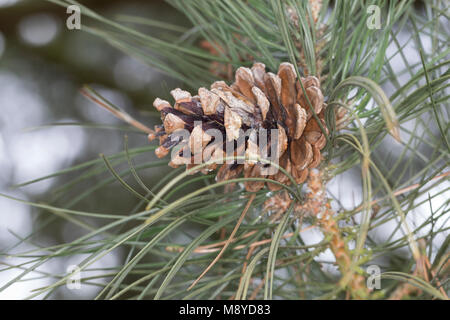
column 42, row 67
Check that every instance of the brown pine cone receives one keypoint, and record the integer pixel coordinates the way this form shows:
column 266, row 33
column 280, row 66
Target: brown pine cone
column 256, row 101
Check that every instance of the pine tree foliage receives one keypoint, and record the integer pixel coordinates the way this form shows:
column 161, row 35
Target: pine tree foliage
column 390, row 87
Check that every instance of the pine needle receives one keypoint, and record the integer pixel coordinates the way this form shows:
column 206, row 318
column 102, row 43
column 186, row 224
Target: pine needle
column 122, row 115
column 230, row 239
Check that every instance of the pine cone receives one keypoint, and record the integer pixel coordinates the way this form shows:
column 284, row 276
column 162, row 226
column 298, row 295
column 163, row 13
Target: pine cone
column 255, row 101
